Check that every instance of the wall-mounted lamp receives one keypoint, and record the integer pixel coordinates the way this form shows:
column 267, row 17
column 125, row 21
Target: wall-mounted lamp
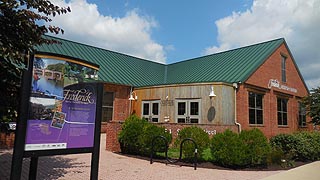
column 235, row 85
column 212, row 94
column 133, row 95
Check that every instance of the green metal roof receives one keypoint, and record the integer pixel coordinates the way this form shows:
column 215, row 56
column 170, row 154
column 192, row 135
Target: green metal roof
column 114, row 67
column 229, row 66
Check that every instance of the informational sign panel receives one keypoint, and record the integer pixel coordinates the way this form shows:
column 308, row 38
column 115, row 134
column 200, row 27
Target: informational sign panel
column 62, row 106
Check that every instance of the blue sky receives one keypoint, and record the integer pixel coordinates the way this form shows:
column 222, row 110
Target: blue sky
column 171, row 31
column 187, row 26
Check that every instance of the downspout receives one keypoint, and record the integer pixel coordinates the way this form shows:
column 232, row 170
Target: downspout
column 235, row 85
column 130, row 102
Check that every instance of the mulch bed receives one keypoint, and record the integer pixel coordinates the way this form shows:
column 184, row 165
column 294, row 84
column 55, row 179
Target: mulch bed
column 209, row 165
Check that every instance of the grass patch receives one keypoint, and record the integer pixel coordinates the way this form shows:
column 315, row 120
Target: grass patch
column 174, row 153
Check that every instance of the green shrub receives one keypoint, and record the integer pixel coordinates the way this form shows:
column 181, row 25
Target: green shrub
column 276, row 156
column 198, row 135
column 257, row 147
column 230, row 149
column 129, row 135
column 137, row 134
column 149, row 132
column 308, row 147
column 302, row 146
column 287, row 143
column 316, row 141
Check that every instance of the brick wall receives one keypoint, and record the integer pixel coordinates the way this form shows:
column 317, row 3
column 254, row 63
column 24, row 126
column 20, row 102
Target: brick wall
column 120, row 103
column 113, row 129
column 258, row 82
column 6, row 140
column 174, row 128
column 103, row 127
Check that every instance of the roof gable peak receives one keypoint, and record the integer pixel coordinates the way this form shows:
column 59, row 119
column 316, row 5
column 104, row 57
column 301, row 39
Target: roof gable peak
column 231, row 50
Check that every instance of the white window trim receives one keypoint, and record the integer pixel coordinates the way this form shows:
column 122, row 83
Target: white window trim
column 256, row 108
column 112, row 107
column 150, row 115
column 188, row 102
column 283, row 112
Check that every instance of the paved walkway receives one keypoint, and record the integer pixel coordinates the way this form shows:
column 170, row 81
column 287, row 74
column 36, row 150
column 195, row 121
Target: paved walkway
column 308, row 172
column 117, row 167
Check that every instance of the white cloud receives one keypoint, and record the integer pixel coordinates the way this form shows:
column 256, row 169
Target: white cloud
column 130, row 34
column 295, row 20
column 169, row 47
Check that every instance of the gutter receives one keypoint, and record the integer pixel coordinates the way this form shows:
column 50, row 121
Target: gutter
column 235, row 85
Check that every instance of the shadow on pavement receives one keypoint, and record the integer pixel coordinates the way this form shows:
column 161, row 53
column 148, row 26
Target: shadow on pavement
column 52, row 167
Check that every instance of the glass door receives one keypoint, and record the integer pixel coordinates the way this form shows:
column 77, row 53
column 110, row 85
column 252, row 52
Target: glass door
column 151, row 110
column 188, row 111
column 181, row 111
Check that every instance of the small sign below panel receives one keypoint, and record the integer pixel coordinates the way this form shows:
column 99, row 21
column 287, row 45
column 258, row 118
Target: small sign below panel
column 167, row 103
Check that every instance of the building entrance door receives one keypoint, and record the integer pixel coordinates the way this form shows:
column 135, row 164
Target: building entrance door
column 151, row 110
column 188, row 111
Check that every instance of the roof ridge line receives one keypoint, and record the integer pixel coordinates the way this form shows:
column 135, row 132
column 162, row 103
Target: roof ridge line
column 91, row 46
column 242, row 47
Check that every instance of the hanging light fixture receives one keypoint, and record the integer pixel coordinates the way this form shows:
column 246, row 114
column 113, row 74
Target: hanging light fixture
column 212, row 94
column 133, row 95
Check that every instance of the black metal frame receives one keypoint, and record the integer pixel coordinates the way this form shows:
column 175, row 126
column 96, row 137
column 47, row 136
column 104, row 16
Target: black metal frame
column 181, row 147
column 19, row 153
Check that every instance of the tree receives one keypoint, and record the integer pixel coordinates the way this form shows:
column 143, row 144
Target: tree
column 21, row 30
column 312, row 105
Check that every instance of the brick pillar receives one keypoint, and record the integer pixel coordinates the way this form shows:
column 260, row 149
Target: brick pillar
column 112, row 131
column 7, row 140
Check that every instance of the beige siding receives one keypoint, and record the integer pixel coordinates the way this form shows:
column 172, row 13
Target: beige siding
column 223, row 103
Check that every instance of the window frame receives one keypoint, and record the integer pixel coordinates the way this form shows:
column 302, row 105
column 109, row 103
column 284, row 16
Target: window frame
column 105, row 107
column 255, row 108
column 282, row 111
column 150, row 116
column 283, row 68
column 189, row 117
column 302, row 116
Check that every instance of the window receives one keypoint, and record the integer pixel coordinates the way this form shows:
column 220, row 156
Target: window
column 107, row 106
column 282, row 105
column 151, row 110
column 188, row 111
column 283, row 69
column 302, row 115
column 255, row 108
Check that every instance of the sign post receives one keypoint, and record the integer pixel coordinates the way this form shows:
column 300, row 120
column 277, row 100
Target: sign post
column 60, row 113
column 17, row 157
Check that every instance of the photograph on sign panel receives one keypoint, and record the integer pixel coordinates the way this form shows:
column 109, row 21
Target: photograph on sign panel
column 58, row 120
column 47, row 79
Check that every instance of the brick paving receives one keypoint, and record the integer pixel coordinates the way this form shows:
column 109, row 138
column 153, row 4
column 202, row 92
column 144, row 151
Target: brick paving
column 117, row 167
